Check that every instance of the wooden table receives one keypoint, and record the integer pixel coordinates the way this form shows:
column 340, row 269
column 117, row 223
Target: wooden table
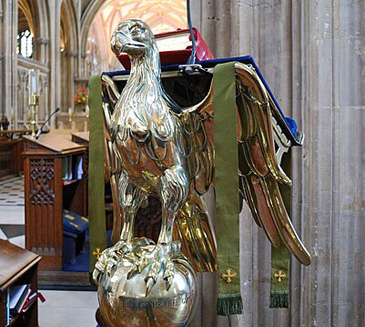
column 17, row 267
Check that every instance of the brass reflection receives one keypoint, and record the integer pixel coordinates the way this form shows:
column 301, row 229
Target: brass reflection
column 155, row 147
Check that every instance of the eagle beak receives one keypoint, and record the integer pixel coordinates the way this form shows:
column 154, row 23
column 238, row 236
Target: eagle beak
column 122, row 43
column 133, row 47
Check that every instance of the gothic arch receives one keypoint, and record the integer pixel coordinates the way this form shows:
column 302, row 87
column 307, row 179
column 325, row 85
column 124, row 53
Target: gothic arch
column 32, row 15
column 26, row 19
column 96, row 58
column 69, row 20
column 160, row 15
column 86, row 21
column 36, row 15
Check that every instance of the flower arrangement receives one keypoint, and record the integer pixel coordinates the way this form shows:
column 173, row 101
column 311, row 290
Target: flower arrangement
column 80, row 96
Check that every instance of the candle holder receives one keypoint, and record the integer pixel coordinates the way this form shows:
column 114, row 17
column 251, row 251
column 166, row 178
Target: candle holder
column 12, row 120
column 70, row 118
column 33, row 102
column 33, row 97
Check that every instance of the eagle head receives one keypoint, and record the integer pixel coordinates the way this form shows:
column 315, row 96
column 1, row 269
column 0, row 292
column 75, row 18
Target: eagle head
column 133, row 37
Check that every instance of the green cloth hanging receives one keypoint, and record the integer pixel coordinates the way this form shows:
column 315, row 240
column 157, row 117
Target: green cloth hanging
column 227, row 195
column 280, row 277
column 97, row 227
column 280, row 257
column 226, row 187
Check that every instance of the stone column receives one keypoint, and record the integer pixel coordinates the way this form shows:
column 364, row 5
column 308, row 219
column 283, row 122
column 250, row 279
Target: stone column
column 312, row 55
column 55, row 59
column 2, row 108
column 9, row 59
column 333, row 174
column 42, row 47
column 83, row 66
column 74, row 73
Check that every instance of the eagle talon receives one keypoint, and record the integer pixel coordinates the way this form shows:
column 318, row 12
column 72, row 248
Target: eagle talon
column 155, row 259
column 110, row 257
column 168, row 275
column 149, row 284
column 110, row 268
column 168, row 279
column 138, row 265
column 160, row 258
column 168, row 282
column 134, row 271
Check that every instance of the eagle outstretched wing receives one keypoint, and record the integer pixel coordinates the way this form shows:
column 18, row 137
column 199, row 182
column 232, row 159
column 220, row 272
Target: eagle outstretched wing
column 259, row 170
column 260, row 173
column 112, row 164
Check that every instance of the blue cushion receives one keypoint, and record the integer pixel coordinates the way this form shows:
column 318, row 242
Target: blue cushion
column 74, row 223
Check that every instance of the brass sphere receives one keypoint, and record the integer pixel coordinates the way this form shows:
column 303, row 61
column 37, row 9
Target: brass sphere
column 123, row 302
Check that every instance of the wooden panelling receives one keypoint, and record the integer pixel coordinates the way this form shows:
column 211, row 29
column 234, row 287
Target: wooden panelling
column 11, row 157
column 46, row 197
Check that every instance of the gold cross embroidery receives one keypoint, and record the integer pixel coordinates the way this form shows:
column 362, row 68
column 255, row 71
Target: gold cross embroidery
column 135, row 321
column 97, row 253
column 228, row 276
column 280, row 275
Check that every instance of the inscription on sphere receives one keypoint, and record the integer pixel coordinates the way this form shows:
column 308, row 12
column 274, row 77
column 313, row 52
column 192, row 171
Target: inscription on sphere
column 158, row 303
column 123, row 301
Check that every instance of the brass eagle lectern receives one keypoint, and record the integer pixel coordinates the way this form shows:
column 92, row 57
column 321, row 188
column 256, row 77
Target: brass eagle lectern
column 156, row 147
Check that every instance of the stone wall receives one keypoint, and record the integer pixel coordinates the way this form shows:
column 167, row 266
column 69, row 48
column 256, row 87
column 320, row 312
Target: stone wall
column 58, row 69
column 312, row 54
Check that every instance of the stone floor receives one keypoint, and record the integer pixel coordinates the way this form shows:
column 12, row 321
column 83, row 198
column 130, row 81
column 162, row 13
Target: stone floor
column 68, row 309
column 12, row 210
column 12, row 192
column 62, row 308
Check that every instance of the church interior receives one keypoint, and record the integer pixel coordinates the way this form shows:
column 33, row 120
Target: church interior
column 311, row 58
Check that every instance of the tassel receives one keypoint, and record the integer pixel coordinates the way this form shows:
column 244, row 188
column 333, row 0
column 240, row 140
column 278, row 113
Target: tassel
column 229, row 304
column 279, row 300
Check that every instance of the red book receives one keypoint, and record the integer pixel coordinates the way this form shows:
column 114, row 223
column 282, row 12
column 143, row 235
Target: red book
column 178, row 51
column 31, row 299
column 25, row 301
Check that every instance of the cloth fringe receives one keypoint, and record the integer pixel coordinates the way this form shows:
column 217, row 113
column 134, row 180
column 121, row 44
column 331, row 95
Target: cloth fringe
column 229, row 304
column 279, row 300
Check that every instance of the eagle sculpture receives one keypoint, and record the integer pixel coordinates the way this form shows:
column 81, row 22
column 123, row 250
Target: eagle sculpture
column 154, row 147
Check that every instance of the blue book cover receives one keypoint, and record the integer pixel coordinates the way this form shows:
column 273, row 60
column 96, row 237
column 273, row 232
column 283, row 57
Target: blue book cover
column 17, row 296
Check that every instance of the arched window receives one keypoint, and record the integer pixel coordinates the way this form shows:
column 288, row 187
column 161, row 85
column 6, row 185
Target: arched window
column 25, row 30
column 25, row 44
column 161, row 15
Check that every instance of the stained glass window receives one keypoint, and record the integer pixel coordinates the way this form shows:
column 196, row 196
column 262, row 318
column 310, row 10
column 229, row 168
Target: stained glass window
column 25, row 44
